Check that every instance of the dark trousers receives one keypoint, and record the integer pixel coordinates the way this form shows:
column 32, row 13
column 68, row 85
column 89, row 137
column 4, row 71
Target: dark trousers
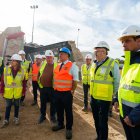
column 100, row 110
column 132, row 133
column 9, row 103
column 47, row 95
column 64, row 101
column 22, row 98
column 86, row 89
column 35, row 88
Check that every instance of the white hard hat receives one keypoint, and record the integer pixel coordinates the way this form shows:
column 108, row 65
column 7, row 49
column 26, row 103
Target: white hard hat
column 132, row 30
column 21, row 52
column 16, row 57
column 39, row 56
column 49, row 53
column 88, row 56
column 102, row 44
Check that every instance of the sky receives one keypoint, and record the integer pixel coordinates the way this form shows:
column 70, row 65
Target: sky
column 84, row 21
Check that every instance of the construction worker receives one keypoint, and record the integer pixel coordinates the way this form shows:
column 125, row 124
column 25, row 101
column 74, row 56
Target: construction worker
column 104, row 83
column 1, row 67
column 27, row 67
column 129, row 89
column 1, row 72
column 45, row 81
column 65, row 82
column 85, row 73
column 13, row 86
column 35, row 71
column 43, row 58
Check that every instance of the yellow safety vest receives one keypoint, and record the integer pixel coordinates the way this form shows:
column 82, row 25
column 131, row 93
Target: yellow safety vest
column 1, row 61
column 13, row 86
column 85, row 74
column 101, row 84
column 41, row 72
column 25, row 66
column 129, row 90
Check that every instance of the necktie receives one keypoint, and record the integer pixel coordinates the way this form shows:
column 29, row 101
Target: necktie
column 61, row 66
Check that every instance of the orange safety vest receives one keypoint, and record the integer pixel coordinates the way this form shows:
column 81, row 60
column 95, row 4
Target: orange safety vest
column 35, row 70
column 63, row 79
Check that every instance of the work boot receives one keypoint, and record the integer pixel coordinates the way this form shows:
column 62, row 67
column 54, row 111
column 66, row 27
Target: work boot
column 34, row 103
column 5, row 124
column 16, row 121
column 57, row 127
column 85, row 109
column 68, row 134
column 41, row 119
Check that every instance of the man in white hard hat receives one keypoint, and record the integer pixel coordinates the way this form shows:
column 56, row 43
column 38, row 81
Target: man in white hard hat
column 45, row 82
column 13, row 87
column 104, row 83
column 129, row 89
column 85, row 73
column 27, row 67
column 35, row 70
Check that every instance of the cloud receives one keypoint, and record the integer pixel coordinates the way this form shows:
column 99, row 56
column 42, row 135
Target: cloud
column 57, row 21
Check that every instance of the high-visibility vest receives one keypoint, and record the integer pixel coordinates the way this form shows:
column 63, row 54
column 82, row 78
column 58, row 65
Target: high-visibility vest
column 129, row 90
column 1, row 61
column 85, row 74
column 41, row 72
column 13, row 86
column 25, row 65
column 63, row 79
column 35, row 70
column 101, row 84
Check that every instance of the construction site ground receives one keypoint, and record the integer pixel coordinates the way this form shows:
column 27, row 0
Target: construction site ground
column 83, row 128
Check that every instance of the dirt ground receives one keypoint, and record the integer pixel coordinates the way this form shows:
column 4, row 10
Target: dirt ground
column 83, row 128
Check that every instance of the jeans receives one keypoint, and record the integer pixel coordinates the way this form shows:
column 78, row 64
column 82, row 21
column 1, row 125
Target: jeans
column 9, row 103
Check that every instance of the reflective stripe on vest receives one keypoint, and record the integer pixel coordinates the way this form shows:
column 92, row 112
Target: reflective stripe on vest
column 101, row 86
column 130, row 104
column 63, row 79
column 129, row 90
column 133, row 88
column 13, row 86
column 102, row 82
